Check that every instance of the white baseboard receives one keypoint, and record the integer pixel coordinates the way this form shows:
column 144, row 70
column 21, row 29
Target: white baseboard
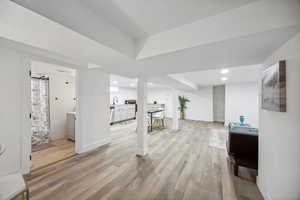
column 262, row 189
column 94, row 145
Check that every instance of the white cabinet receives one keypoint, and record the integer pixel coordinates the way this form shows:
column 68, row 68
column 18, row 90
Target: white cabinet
column 122, row 112
column 71, row 117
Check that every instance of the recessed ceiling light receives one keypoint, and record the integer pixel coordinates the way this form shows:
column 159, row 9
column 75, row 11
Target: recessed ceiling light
column 115, row 82
column 224, row 78
column 93, row 66
column 132, row 84
column 150, row 83
column 224, row 71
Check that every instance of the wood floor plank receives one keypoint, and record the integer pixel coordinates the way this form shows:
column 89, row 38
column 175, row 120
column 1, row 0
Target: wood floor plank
column 180, row 165
column 61, row 150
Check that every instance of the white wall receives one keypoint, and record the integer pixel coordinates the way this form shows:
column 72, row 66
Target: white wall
column 65, row 94
column 200, row 106
column 123, row 94
column 161, row 96
column 11, row 117
column 279, row 139
column 65, row 103
column 93, row 113
column 242, row 99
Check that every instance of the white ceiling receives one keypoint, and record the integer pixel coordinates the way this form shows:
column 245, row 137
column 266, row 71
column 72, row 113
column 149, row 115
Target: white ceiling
column 115, row 14
column 121, row 81
column 156, row 16
column 193, row 81
column 77, row 17
column 235, row 75
column 155, row 82
column 235, row 23
column 177, row 36
column 247, row 50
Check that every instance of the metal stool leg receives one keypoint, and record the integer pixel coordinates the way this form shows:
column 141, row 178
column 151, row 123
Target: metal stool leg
column 163, row 123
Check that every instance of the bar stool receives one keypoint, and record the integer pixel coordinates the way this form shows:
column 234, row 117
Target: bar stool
column 159, row 119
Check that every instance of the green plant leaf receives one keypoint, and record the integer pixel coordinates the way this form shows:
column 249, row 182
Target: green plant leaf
column 182, row 103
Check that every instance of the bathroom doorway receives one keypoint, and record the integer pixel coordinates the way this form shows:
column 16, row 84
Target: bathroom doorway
column 53, row 105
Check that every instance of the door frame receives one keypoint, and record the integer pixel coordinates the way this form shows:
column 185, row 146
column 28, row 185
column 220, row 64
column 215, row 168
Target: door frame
column 25, row 116
column 26, row 144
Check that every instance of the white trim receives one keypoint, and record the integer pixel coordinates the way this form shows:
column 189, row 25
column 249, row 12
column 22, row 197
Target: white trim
column 94, row 146
column 24, row 114
column 78, row 133
column 262, row 189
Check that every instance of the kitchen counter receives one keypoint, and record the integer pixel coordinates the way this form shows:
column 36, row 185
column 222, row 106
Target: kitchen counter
column 122, row 112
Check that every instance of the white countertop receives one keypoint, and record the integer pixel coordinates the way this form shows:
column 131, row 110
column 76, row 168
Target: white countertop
column 71, row 113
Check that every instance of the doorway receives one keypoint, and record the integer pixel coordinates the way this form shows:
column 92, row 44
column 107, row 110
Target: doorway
column 219, row 103
column 53, row 105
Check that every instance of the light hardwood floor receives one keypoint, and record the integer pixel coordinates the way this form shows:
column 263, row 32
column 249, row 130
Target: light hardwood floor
column 180, row 165
column 61, row 150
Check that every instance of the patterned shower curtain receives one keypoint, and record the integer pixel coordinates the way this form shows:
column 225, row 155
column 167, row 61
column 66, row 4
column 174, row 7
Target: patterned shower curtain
column 40, row 110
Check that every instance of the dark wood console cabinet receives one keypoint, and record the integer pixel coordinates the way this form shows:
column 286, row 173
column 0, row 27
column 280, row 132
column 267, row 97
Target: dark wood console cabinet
column 242, row 147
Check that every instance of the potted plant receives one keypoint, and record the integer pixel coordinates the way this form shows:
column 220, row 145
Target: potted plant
column 182, row 106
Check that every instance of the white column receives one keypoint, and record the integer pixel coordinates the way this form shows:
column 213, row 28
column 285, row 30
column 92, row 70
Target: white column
column 142, row 124
column 175, row 114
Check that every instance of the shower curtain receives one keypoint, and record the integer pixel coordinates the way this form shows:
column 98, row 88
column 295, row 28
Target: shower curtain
column 40, row 116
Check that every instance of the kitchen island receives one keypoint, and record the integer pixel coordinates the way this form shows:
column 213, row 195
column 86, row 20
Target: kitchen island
column 122, row 112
